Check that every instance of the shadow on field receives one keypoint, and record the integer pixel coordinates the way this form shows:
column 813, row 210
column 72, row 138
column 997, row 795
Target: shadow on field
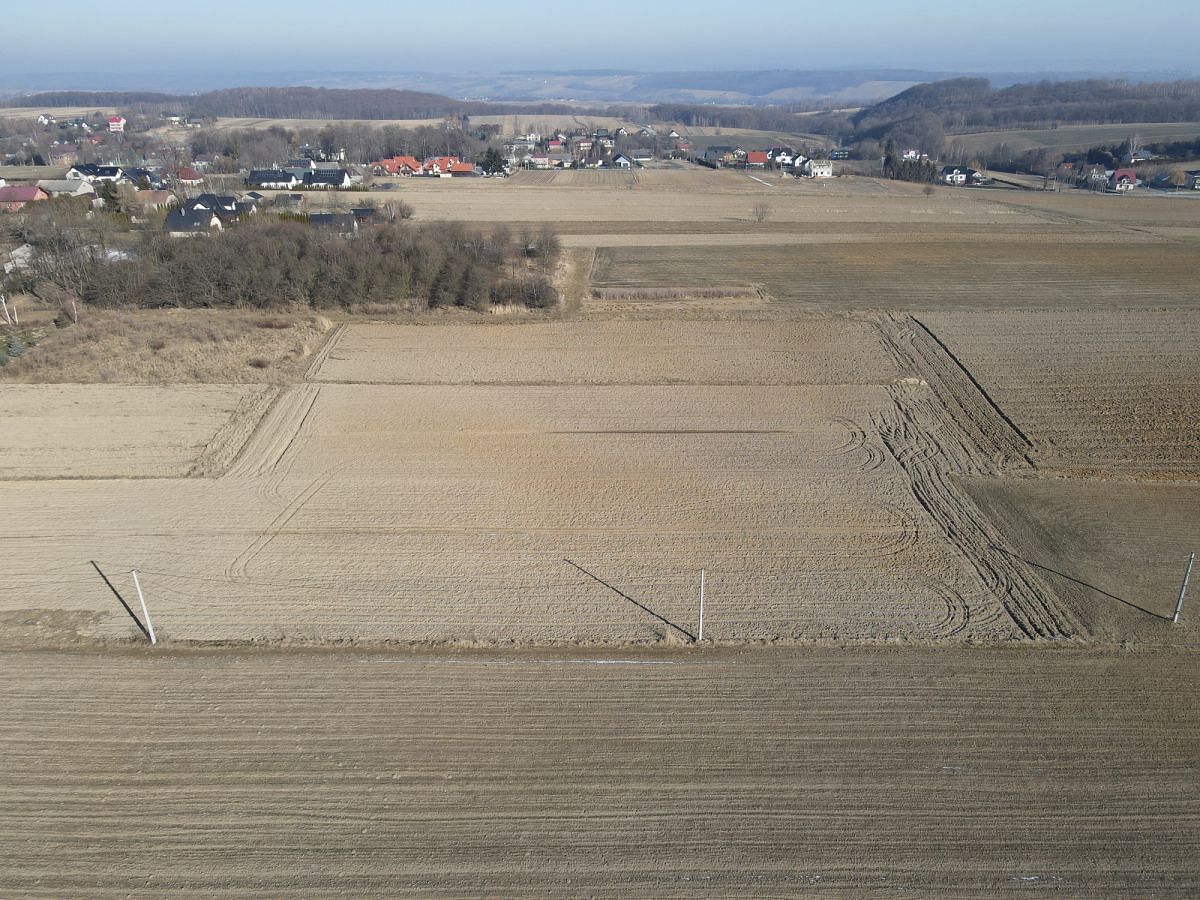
column 1083, row 584
column 641, row 606
column 117, row 594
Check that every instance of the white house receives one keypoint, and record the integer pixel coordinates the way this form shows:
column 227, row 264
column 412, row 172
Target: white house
column 818, row 168
column 116, row 124
column 66, row 187
column 621, row 161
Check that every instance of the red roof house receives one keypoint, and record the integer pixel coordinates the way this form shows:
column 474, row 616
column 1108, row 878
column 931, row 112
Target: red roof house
column 756, row 158
column 397, row 165
column 116, row 124
column 14, row 198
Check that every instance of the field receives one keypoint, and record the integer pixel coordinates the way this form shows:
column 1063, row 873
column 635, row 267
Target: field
column 426, row 587
column 1075, row 137
column 844, row 773
column 123, row 431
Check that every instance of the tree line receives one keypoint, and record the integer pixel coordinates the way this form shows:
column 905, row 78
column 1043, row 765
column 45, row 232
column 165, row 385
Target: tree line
column 275, row 262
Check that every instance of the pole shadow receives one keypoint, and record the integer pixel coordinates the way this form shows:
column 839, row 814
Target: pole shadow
column 641, row 606
column 1083, row 584
column 121, row 600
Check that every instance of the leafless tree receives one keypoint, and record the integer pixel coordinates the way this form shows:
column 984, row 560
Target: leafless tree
column 760, row 211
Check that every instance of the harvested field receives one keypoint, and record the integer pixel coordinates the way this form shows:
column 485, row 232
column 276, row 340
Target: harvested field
column 1100, row 393
column 845, row 773
column 1114, row 553
column 815, row 351
column 100, row 431
column 914, row 275
column 561, row 514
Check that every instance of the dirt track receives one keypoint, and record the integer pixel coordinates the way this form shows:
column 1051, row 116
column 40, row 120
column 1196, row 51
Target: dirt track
column 847, row 773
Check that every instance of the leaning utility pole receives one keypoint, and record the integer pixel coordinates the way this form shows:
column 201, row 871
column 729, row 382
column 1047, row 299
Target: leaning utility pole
column 1183, row 590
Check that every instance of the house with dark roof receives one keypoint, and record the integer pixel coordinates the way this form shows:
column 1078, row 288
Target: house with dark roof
column 93, row 173
column 1193, row 180
column 189, row 223
column 621, row 161
column 326, row 179
column 272, row 179
column 337, row 223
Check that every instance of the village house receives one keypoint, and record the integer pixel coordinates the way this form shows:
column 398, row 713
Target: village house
column 325, row 179
column 403, row 166
column 92, row 173
column 1123, row 180
column 187, row 175
column 271, row 179
column 149, row 200
column 15, row 198
column 958, row 175
column 1193, row 180
column 189, row 223
column 46, row 119
column 621, row 161
column 116, row 124
column 757, row 159
column 439, row 165
column 642, row 156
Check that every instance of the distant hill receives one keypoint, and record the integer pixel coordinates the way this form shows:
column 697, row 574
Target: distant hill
column 973, row 104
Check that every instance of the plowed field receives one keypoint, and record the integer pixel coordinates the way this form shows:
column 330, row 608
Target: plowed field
column 838, row 773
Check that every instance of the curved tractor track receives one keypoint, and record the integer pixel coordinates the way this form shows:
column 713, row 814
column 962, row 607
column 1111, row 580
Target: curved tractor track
column 943, row 424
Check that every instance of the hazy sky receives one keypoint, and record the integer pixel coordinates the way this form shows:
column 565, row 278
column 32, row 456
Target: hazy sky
column 267, row 35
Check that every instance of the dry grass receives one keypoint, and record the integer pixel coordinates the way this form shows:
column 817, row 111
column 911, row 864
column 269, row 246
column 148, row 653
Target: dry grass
column 166, row 347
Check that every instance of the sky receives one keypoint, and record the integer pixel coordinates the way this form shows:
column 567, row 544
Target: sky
column 475, row 36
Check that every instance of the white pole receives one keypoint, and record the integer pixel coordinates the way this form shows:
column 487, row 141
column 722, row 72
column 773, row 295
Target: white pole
column 145, row 612
column 700, row 633
column 3, row 303
column 1183, row 590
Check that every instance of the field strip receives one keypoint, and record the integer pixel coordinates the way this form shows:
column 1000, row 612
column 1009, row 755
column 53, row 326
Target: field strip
column 847, row 773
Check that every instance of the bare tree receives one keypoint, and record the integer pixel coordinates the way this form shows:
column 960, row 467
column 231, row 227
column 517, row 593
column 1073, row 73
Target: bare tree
column 760, row 211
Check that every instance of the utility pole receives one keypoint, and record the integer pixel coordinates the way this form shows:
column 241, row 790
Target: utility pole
column 145, row 612
column 1183, row 590
column 700, row 631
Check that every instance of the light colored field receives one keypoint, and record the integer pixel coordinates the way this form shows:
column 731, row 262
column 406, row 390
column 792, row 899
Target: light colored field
column 1074, row 137
column 838, row 773
column 918, row 275
column 578, row 514
column 108, row 431
column 1114, row 392
column 815, row 351
column 669, row 198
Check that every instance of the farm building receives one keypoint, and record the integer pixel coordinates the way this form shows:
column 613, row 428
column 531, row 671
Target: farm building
column 16, row 197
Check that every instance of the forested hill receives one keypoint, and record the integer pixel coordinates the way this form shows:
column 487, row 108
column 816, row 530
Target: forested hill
column 971, row 104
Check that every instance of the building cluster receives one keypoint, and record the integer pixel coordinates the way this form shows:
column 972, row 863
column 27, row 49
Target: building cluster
column 783, row 158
